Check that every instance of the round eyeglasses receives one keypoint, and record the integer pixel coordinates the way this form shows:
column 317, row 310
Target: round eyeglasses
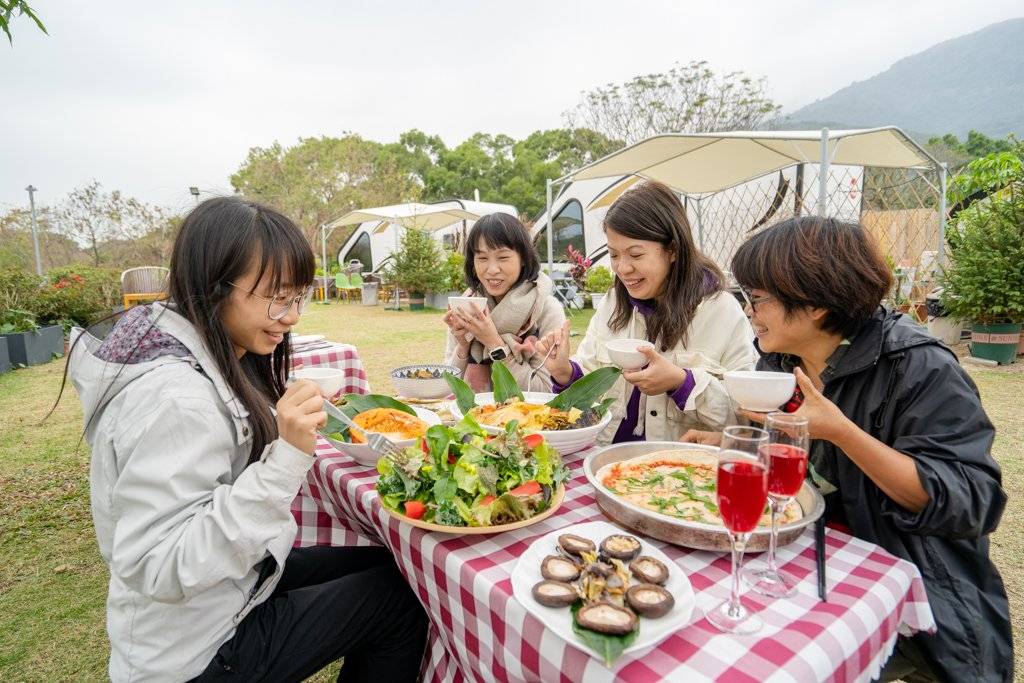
column 278, row 306
column 754, row 301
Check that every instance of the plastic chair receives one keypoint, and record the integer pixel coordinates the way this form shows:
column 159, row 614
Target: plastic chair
column 344, row 286
column 145, row 283
column 357, row 280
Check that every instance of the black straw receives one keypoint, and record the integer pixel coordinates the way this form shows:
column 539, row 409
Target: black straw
column 819, row 550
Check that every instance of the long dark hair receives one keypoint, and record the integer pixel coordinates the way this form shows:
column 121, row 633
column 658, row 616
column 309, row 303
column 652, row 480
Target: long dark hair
column 219, row 241
column 498, row 230
column 652, row 212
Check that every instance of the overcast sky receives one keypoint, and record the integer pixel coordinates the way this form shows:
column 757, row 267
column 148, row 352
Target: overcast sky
column 152, row 97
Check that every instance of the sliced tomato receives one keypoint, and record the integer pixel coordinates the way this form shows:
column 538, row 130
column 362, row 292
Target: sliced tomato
column 533, row 440
column 414, row 509
column 452, row 459
column 530, row 488
column 424, row 447
column 486, row 500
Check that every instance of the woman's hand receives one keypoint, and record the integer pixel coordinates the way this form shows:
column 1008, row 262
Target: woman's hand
column 556, row 341
column 660, row 375
column 706, row 438
column 300, row 411
column 481, row 326
column 824, row 419
column 458, row 331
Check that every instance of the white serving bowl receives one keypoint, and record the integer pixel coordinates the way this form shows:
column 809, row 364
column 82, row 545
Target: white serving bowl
column 330, row 380
column 760, row 391
column 625, row 352
column 565, row 441
column 364, row 455
column 423, row 389
column 466, row 304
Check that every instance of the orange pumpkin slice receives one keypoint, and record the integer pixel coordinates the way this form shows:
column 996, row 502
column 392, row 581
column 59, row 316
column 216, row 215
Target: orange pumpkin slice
column 394, row 424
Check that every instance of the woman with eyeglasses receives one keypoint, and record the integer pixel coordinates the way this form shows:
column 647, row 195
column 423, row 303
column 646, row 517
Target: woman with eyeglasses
column 199, row 446
column 668, row 293
column 900, row 442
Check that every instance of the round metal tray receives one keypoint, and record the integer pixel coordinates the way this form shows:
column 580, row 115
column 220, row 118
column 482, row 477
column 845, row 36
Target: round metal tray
column 678, row 531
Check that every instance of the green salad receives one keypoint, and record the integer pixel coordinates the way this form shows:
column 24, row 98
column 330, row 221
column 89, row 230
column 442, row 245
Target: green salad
column 462, row 476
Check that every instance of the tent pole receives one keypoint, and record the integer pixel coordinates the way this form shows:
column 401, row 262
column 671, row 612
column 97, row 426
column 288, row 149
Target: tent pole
column 551, row 231
column 823, row 175
column 941, row 255
column 798, row 198
column 323, row 253
column 700, row 223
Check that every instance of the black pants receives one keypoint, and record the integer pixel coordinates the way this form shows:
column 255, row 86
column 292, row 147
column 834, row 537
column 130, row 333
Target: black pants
column 330, row 603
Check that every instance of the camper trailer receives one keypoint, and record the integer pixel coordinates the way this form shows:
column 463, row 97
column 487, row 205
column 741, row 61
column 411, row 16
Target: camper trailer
column 373, row 242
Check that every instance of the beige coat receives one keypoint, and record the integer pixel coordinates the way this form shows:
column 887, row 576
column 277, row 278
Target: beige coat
column 719, row 339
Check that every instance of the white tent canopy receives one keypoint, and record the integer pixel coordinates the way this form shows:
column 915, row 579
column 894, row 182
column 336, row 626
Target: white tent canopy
column 410, row 215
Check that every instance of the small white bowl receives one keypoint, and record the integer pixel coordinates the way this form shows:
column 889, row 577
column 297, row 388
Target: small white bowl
column 760, row 391
column 330, row 380
column 626, row 353
column 466, row 304
column 364, row 455
column 423, row 389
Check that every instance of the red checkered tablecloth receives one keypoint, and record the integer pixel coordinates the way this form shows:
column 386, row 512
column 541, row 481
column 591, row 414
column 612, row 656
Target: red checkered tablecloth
column 336, row 355
column 480, row 632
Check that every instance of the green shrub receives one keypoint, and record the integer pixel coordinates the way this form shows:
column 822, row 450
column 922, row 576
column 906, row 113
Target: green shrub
column 19, row 289
column 78, row 295
column 455, row 272
column 418, row 266
column 599, row 280
column 16, row 320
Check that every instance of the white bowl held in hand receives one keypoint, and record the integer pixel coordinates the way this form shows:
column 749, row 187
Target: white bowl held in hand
column 467, row 305
column 760, row 391
column 626, row 352
column 330, row 380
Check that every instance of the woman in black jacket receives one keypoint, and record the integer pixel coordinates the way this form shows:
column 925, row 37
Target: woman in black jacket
column 900, row 441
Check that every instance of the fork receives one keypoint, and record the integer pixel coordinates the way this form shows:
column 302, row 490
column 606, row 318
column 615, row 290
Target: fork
column 377, row 442
column 533, row 373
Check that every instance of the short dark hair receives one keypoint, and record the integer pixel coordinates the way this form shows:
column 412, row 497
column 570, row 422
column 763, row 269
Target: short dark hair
column 499, row 230
column 818, row 263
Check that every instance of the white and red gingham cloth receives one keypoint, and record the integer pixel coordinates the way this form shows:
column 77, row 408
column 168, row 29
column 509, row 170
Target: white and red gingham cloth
column 480, row 632
column 340, row 356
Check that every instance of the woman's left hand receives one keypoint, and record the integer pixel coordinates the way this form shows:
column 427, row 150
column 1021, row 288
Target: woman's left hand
column 824, row 419
column 481, row 326
column 660, row 375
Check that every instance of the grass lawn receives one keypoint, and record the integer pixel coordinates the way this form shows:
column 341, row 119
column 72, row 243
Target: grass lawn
column 53, row 582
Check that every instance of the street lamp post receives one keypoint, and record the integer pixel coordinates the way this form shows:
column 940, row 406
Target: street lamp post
column 35, row 236
column 195, row 192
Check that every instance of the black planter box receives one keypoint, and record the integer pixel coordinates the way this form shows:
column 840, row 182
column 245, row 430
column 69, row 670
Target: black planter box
column 5, row 358
column 34, row 348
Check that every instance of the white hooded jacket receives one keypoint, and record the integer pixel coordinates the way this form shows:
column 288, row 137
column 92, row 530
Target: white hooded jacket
column 181, row 522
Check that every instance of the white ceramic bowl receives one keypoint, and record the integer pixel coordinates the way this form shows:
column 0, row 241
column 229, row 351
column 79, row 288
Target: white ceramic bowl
column 565, row 441
column 330, row 380
column 424, row 389
column 466, row 304
column 625, row 353
column 760, row 391
column 364, row 455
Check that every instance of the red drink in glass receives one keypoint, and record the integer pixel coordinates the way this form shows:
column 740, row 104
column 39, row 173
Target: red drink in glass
column 742, row 493
column 787, row 471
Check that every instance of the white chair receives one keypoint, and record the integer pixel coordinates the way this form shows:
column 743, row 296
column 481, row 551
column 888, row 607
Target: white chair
column 146, row 283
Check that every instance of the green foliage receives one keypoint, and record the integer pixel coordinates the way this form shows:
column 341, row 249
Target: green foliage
column 455, row 273
column 78, row 295
column 986, row 175
column 7, row 9
column 16, row 320
column 599, row 279
column 950, row 149
column 984, row 280
column 18, row 289
column 418, row 266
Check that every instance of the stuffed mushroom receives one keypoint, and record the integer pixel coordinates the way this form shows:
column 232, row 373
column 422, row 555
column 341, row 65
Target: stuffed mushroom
column 555, row 593
column 606, row 618
column 576, row 545
column 558, row 568
column 649, row 570
column 650, row 600
column 620, row 547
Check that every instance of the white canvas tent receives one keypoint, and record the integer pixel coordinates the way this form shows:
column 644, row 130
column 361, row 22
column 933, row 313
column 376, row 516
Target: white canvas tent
column 699, row 165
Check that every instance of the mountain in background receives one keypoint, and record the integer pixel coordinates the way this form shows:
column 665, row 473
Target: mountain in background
column 971, row 82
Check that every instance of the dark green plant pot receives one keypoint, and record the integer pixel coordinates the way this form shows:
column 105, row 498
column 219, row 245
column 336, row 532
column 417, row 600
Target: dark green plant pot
column 34, row 348
column 416, row 300
column 995, row 342
column 5, row 358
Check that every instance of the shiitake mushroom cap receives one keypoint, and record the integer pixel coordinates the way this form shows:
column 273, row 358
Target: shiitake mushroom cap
column 650, row 600
column 649, row 570
column 559, row 568
column 555, row 593
column 576, row 545
column 620, row 547
column 606, row 618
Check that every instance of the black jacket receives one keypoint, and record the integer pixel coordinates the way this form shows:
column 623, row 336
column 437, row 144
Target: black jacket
column 906, row 389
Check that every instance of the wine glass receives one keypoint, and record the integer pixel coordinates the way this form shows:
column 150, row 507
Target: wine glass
column 742, row 488
column 788, row 439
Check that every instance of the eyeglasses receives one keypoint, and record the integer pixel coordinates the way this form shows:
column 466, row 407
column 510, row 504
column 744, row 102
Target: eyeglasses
column 278, row 306
column 754, row 301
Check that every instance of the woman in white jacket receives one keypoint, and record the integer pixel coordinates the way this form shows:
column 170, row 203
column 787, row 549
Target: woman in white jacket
column 669, row 293
column 194, row 471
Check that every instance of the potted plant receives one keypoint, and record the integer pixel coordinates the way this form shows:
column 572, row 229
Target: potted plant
column 984, row 279
column 455, row 280
column 5, row 356
column 27, row 342
column 417, row 267
column 599, row 281
column 579, row 265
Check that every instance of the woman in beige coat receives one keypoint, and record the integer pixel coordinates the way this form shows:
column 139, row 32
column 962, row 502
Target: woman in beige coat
column 670, row 294
column 502, row 265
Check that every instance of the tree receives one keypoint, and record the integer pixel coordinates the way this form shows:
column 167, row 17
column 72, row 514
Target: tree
column 16, row 250
column 322, row 178
column 7, row 10
column 956, row 154
column 685, row 99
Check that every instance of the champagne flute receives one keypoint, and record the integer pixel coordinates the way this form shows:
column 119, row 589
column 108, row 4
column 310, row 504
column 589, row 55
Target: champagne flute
column 742, row 488
column 788, row 440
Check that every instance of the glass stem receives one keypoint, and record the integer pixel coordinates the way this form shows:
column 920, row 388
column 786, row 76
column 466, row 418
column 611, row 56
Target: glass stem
column 773, row 504
column 739, row 543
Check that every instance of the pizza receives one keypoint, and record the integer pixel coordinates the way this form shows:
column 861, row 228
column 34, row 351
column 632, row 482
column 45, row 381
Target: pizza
column 678, row 483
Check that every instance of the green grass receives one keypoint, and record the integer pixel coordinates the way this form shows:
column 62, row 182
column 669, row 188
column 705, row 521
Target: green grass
column 53, row 582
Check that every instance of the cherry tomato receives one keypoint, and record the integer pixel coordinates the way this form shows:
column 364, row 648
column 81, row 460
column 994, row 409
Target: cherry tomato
column 487, row 500
column 533, row 440
column 414, row 509
column 530, row 488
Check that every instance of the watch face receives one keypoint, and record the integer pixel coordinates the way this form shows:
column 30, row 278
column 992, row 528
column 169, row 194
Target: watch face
column 498, row 354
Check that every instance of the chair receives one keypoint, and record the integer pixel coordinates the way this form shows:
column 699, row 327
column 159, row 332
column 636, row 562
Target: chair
column 564, row 290
column 344, row 285
column 145, row 283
